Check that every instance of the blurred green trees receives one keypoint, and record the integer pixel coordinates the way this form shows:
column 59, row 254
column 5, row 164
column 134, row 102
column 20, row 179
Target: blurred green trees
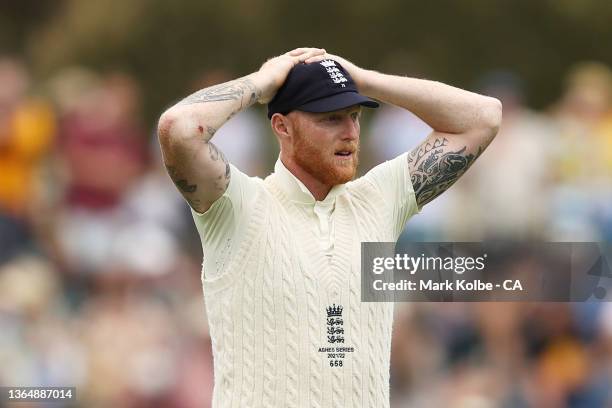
column 168, row 44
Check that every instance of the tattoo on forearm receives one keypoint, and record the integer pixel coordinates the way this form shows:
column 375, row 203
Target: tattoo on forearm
column 434, row 168
column 235, row 90
column 228, row 91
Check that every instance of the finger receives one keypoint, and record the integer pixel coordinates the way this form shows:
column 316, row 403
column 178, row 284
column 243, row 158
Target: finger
column 316, row 58
column 312, row 54
column 288, row 57
column 305, row 50
column 298, row 51
column 315, row 51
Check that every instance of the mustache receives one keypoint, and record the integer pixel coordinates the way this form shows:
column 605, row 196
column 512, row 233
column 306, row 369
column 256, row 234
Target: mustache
column 351, row 147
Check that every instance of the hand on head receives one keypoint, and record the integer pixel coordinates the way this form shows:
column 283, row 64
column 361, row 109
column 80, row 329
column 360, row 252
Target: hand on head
column 275, row 70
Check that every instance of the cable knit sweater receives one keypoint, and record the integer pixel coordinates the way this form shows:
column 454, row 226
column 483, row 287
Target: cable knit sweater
column 287, row 324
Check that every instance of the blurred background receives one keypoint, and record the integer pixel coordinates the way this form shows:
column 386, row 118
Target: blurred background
column 100, row 263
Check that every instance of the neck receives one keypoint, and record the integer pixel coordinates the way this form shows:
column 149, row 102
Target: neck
column 318, row 189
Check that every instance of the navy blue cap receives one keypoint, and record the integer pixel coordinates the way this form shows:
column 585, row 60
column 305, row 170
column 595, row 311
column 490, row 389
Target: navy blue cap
column 322, row 86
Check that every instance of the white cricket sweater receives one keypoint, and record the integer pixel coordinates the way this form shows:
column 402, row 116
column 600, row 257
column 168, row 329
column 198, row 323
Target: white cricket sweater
column 287, row 324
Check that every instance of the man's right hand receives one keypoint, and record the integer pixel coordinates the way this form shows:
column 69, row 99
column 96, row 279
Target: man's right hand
column 273, row 72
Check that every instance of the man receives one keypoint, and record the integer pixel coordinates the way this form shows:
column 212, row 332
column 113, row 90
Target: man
column 281, row 269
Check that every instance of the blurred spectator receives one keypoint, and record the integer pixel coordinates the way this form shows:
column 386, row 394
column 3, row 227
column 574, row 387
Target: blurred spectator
column 119, row 209
column 27, row 128
column 393, row 131
column 583, row 189
column 102, row 147
column 505, row 195
column 161, row 221
column 103, row 144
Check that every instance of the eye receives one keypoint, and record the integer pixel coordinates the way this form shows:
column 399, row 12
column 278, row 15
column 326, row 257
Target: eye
column 355, row 115
column 333, row 118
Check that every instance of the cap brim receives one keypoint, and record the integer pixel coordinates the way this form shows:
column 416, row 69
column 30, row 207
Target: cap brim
column 337, row 102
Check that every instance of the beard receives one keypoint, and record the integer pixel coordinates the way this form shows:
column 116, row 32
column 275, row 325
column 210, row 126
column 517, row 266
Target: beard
column 321, row 162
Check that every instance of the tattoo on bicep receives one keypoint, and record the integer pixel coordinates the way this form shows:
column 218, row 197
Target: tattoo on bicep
column 216, row 154
column 436, row 168
column 229, row 91
column 187, row 189
column 194, row 203
column 232, row 114
column 181, row 182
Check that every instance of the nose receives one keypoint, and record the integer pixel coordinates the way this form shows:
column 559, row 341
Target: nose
column 350, row 129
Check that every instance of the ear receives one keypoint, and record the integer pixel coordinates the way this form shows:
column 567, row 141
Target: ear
column 281, row 126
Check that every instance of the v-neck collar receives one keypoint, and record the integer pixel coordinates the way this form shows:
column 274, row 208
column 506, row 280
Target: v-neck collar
column 332, row 273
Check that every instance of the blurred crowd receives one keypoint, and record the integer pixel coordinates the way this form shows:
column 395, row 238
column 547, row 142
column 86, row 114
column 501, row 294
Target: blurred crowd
column 100, row 263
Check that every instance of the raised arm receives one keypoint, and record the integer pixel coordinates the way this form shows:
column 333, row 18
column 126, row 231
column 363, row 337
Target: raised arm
column 463, row 123
column 197, row 167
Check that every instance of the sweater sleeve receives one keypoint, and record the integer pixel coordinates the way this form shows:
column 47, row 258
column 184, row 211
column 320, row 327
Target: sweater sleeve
column 392, row 180
column 218, row 227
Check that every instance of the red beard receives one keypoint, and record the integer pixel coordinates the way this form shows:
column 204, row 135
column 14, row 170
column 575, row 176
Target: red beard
column 321, row 162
